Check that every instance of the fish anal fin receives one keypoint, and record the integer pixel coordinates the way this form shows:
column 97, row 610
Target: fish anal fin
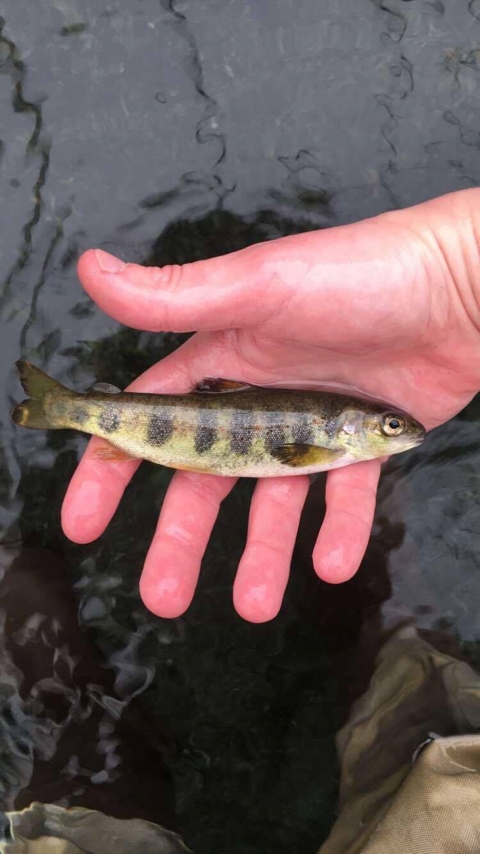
column 197, row 469
column 106, row 451
column 218, row 385
column 299, row 455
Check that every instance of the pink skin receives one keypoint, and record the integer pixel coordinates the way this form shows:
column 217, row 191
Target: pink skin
column 388, row 305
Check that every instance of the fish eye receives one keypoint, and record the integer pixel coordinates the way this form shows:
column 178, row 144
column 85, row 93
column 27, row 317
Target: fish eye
column 393, row 425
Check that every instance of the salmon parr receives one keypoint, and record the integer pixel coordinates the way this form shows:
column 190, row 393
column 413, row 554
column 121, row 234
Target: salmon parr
column 222, row 427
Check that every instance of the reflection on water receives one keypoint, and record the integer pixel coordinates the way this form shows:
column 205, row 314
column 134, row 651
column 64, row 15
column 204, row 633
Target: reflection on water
column 70, row 733
column 169, row 132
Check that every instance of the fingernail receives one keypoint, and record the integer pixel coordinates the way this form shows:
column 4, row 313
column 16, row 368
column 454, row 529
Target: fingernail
column 108, row 263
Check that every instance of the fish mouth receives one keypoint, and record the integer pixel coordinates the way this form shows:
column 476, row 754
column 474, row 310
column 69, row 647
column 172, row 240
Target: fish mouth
column 418, row 433
column 418, row 440
column 410, row 442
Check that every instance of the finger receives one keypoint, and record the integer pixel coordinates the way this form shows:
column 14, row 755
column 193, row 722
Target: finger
column 205, row 295
column 350, row 497
column 93, row 495
column 264, row 568
column 97, row 486
column 172, row 567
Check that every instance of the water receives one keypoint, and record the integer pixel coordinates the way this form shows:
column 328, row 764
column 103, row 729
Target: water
column 168, row 132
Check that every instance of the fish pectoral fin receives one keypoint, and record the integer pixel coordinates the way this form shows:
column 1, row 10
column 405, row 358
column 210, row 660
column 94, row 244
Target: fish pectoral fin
column 297, row 455
column 106, row 451
column 217, row 385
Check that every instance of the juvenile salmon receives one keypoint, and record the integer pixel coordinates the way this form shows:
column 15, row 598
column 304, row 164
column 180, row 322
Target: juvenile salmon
column 222, row 427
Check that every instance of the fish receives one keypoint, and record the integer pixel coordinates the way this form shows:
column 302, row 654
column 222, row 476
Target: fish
column 222, row 426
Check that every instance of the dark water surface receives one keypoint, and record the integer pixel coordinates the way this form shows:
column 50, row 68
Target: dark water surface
column 171, row 131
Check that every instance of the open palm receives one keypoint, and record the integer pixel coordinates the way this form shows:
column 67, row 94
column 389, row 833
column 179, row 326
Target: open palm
column 387, row 305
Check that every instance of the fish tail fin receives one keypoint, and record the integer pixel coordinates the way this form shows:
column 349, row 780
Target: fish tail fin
column 33, row 413
column 35, row 382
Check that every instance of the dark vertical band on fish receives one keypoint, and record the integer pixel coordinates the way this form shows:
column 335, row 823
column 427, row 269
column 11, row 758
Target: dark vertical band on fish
column 206, row 431
column 242, row 431
column 275, row 432
column 302, row 430
column 160, row 427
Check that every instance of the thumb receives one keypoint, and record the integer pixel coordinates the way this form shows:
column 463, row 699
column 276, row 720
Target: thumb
column 219, row 293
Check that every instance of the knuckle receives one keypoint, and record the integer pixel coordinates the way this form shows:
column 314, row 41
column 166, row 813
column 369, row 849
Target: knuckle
column 203, row 487
column 356, row 518
column 263, row 543
column 180, row 535
column 169, row 278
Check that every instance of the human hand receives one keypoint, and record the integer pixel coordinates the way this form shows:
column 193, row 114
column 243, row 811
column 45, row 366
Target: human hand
column 389, row 305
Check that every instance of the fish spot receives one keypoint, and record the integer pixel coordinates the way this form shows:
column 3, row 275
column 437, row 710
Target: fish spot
column 160, row 427
column 330, row 427
column 206, row 432
column 302, row 430
column 79, row 413
column 60, row 408
column 242, row 431
column 109, row 420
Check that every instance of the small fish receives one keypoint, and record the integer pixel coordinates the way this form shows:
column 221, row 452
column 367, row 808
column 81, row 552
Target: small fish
column 222, row 427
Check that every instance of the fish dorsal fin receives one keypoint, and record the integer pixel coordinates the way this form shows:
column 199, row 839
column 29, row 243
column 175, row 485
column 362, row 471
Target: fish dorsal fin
column 298, row 455
column 106, row 388
column 217, row 385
